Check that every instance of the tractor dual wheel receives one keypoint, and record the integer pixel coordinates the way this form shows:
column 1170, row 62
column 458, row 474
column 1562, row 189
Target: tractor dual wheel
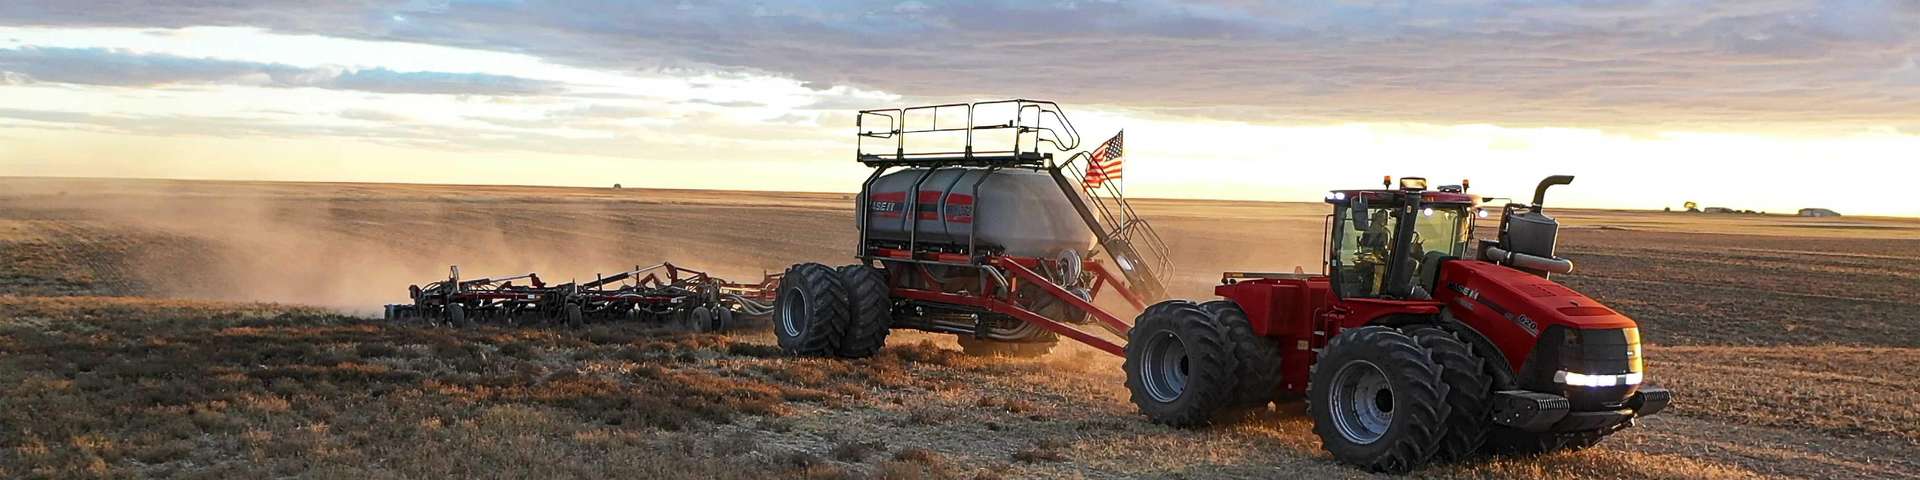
column 870, row 311
column 811, row 312
column 1377, row 400
column 1179, row 365
column 1469, row 392
column 1257, row 358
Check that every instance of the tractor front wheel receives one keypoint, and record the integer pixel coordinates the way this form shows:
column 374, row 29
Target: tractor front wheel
column 811, row 311
column 1179, row 365
column 1469, row 392
column 1377, row 400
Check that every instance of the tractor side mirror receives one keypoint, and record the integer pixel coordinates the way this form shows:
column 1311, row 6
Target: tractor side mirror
column 1359, row 213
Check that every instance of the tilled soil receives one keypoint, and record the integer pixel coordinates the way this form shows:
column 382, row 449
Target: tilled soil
column 1786, row 340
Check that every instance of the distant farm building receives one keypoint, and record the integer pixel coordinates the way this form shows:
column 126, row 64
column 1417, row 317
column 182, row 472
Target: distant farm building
column 1818, row 212
column 1718, row 210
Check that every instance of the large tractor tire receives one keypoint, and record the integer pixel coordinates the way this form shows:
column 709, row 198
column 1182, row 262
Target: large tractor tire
column 871, row 310
column 1257, row 358
column 977, row 347
column 811, row 312
column 1179, row 365
column 1377, row 400
column 1513, row 442
column 1469, row 392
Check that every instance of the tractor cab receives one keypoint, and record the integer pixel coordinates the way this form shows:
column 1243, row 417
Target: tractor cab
column 1389, row 243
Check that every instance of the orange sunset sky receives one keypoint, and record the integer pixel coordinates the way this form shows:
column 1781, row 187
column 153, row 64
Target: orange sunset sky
column 1768, row 105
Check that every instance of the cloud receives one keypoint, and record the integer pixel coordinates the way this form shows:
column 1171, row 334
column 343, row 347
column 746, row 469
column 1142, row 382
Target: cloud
column 98, row 66
column 1572, row 63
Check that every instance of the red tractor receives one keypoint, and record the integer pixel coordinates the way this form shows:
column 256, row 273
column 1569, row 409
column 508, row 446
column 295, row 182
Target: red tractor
column 1415, row 343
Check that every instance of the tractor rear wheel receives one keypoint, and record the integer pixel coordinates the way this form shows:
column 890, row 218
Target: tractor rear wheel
column 1377, row 400
column 1179, row 365
column 811, row 312
column 1258, row 358
column 995, row 348
column 1469, row 392
column 871, row 311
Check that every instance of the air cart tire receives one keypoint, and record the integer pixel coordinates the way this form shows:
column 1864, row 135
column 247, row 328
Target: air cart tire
column 575, row 317
column 994, row 348
column 811, row 311
column 1179, row 365
column 1257, row 358
column 1377, row 400
column 870, row 310
column 457, row 315
column 1469, row 392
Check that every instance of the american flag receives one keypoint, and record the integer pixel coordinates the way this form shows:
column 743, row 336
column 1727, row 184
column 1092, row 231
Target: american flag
column 1104, row 165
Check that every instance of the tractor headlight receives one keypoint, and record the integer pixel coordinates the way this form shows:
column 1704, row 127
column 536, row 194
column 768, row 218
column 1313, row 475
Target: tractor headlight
column 1572, row 379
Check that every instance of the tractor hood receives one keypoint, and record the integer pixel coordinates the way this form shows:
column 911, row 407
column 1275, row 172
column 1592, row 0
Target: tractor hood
column 1553, row 338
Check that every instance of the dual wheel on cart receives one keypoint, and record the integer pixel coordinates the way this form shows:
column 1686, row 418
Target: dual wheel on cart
column 847, row 312
column 1382, row 398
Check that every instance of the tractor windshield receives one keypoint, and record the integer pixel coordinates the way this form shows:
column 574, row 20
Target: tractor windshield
column 1361, row 256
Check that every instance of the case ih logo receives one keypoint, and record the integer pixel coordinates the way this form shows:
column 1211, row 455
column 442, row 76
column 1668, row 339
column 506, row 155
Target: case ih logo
column 1521, row 320
column 884, row 209
column 894, row 204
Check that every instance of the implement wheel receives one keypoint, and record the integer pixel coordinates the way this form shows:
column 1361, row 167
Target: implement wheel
column 870, row 305
column 575, row 317
column 1377, row 400
column 811, row 312
column 1179, row 365
column 457, row 315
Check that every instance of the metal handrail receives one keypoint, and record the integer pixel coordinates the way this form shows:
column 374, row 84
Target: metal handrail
column 1048, row 125
column 1122, row 221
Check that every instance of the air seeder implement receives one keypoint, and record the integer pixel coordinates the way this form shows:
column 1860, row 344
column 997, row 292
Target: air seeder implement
column 664, row 294
column 1414, row 343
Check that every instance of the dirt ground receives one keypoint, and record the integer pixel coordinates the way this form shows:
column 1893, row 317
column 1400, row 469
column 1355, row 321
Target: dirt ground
column 217, row 330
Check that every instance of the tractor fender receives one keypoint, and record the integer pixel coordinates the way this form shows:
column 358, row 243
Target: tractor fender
column 1503, row 376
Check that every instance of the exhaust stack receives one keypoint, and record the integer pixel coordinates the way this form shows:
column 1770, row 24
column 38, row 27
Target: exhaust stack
column 1528, row 236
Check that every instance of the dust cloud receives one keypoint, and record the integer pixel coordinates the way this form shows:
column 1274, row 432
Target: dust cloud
column 357, row 247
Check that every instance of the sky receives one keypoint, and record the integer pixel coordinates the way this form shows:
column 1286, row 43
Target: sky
column 1767, row 105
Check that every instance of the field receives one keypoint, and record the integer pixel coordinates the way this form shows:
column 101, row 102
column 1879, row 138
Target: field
column 223, row 330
